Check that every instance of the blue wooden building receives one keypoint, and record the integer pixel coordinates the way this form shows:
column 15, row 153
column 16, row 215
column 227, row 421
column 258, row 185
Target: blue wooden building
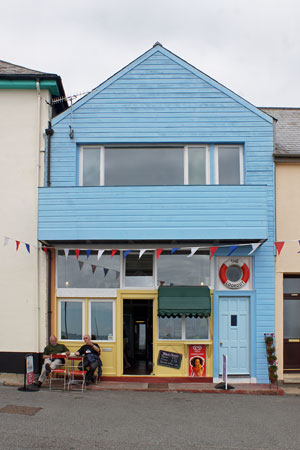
column 158, row 216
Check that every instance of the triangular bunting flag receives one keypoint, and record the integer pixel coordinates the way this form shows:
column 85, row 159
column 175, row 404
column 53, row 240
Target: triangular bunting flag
column 279, row 246
column 27, row 248
column 113, row 252
column 105, row 271
column 126, row 253
column 142, row 252
column 80, row 264
column 159, row 252
column 93, row 268
column 77, row 252
column 254, row 247
column 193, row 251
column 45, row 250
column 174, row 250
column 66, row 250
column 17, row 245
column 100, row 253
column 88, row 252
column 6, row 239
column 212, row 251
column 232, row 248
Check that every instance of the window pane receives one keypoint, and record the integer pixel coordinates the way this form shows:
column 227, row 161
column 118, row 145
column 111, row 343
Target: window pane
column 141, row 167
column 196, row 328
column 197, row 165
column 139, row 272
column 291, row 319
column 170, row 328
column 88, row 273
column 229, row 165
column 71, row 320
column 102, row 321
column 177, row 269
column 90, row 167
column 291, row 285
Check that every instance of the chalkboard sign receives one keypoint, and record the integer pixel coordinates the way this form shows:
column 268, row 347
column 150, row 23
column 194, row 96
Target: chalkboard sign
column 169, row 359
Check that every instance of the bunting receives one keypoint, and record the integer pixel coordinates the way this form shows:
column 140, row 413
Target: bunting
column 212, row 251
column 5, row 240
column 159, row 252
column 254, row 247
column 279, row 247
column 126, row 253
column 232, row 249
column 45, row 250
column 66, row 250
column 174, row 250
column 77, row 252
column 113, row 252
column 93, row 268
column 193, row 251
column 27, row 248
column 100, row 253
column 80, row 264
column 88, row 252
column 105, row 271
column 141, row 253
column 17, row 245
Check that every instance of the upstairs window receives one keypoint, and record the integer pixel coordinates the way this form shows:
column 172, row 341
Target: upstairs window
column 229, row 168
column 99, row 166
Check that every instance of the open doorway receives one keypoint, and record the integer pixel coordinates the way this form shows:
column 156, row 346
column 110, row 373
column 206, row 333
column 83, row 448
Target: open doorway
column 137, row 337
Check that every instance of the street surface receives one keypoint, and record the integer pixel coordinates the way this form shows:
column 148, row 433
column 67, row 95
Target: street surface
column 148, row 421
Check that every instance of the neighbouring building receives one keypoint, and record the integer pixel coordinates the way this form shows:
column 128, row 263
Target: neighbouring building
column 287, row 280
column 25, row 98
column 158, row 218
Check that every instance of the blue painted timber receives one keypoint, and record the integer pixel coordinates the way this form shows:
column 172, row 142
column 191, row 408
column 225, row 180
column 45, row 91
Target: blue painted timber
column 153, row 212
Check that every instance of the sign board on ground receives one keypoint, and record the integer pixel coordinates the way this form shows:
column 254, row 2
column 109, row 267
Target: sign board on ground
column 169, row 359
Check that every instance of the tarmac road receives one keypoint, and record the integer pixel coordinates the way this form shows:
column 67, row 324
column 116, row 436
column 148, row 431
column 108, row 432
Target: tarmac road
column 126, row 420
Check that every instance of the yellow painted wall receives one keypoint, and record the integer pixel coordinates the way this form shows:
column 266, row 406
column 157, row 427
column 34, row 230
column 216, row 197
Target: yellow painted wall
column 287, row 228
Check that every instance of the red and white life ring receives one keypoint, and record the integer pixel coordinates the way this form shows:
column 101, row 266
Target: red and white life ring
column 223, row 274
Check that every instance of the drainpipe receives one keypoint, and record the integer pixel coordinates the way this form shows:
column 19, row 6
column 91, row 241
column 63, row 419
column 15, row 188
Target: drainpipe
column 38, row 184
column 49, row 133
column 49, row 292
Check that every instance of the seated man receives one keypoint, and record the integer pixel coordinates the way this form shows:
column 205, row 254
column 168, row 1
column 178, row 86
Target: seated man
column 53, row 348
column 91, row 353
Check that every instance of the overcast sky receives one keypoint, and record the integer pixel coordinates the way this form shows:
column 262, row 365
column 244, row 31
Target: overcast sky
column 250, row 46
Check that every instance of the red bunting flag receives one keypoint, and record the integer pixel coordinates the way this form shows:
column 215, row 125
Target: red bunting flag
column 279, row 247
column 45, row 250
column 77, row 251
column 17, row 245
column 159, row 252
column 113, row 252
column 212, row 251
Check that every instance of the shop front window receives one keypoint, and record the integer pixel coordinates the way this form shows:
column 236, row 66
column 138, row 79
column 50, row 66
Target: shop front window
column 71, row 325
column 196, row 327
column 178, row 270
column 88, row 272
column 170, row 328
column 186, row 328
column 139, row 271
column 101, row 320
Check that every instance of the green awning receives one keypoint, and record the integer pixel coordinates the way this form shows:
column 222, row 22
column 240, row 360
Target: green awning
column 176, row 301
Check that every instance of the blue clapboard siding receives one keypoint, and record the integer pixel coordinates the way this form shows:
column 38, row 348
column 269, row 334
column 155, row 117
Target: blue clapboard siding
column 157, row 99
column 156, row 212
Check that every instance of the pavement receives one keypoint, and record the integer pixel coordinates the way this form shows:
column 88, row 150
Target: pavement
column 17, row 380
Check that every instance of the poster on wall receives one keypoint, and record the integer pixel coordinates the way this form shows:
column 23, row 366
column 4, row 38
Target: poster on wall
column 197, row 360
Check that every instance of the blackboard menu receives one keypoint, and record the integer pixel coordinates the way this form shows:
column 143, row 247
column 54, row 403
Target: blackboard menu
column 169, row 359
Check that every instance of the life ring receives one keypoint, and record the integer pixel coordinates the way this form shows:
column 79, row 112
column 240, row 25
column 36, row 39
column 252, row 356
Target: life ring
column 234, row 284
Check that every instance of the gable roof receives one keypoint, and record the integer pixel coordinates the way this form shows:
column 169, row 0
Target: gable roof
column 158, row 48
column 8, row 69
column 287, row 135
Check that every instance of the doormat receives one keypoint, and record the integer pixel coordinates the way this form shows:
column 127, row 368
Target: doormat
column 24, row 410
column 158, row 386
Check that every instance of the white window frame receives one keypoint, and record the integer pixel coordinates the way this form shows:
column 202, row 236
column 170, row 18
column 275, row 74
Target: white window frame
column 103, row 300
column 241, row 161
column 186, row 162
column 73, row 300
column 80, row 163
column 183, row 333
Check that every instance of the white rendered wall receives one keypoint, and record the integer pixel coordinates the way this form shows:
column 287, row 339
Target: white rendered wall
column 23, row 314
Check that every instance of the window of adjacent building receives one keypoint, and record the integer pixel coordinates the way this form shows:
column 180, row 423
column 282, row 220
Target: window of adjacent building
column 99, row 166
column 229, row 165
column 183, row 328
column 102, row 320
column 291, row 290
column 88, row 272
column 71, row 320
column 178, row 270
column 139, row 270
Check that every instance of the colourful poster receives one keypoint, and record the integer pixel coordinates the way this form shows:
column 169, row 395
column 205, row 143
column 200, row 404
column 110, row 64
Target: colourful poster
column 29, row 369
column 197, row 360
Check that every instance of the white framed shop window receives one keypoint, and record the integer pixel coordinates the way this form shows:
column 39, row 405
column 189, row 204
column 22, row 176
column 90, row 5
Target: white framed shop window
column 102, row 320
column 229, row 164
column 184, row 328
column 71, row 324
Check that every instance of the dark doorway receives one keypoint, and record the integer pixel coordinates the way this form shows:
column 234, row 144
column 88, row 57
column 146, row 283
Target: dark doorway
column 137, row 337
column 291, row 289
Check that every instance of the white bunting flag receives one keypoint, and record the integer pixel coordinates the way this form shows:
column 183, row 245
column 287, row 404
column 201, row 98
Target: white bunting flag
column 6, row 239
column 100, row 253
column 66, row 250
column 254, row 247
column 141, row 253
column 193, row 251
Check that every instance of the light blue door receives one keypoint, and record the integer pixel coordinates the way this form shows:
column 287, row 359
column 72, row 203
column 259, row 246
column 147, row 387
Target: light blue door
column 234, row 334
